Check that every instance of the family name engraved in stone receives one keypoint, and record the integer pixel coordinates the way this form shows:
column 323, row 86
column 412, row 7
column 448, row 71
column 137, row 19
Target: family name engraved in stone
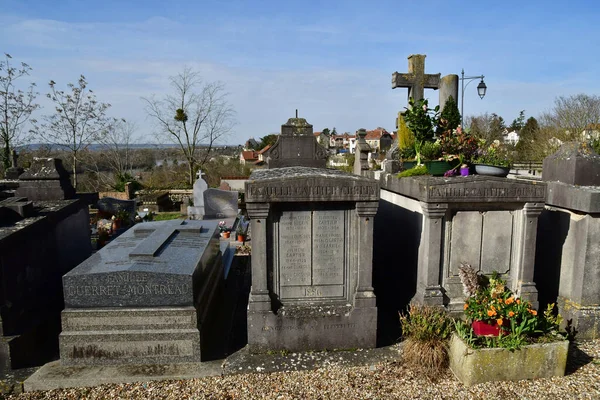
column 125, row 290
column 267, row 328
column 446, row 192
column 293, row 191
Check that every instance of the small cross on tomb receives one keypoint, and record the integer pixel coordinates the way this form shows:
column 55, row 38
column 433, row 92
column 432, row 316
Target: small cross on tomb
column 159, row 237
column 416, row 80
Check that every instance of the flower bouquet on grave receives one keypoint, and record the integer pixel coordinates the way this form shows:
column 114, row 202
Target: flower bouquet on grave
column 460, row 145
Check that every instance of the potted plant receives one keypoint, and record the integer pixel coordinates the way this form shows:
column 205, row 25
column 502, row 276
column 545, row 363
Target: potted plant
column 492, row 159
column 120, row 219
column 504, row 338
column 459, row 145
column 102, row 237
column 241, row 233
column 421, row 120
column 224, row 229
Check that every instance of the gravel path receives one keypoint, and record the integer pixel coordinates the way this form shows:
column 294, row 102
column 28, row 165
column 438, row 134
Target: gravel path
column 381, row 381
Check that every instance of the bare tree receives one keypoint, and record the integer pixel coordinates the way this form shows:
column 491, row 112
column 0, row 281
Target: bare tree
column 16, row 106
column 196, row 114
column 486, row 126
column 78, row 121
column 117, row 147
column 571, row 115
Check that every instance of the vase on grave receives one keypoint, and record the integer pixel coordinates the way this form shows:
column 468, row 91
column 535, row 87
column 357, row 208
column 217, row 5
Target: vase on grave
column 491, row 170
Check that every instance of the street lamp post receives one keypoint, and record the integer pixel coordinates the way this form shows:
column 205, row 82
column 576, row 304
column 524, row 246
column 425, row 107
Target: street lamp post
column 481, row 89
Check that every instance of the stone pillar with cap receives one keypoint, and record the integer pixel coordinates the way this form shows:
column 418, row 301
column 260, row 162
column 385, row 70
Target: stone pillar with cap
column 361, row 159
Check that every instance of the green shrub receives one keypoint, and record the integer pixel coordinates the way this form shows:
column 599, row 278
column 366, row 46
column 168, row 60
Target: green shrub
column 426, row 330
column 431, row 151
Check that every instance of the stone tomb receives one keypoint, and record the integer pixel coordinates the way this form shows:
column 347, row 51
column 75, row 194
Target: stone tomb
column 487, row 222
column 144, row 297
column 311, row 260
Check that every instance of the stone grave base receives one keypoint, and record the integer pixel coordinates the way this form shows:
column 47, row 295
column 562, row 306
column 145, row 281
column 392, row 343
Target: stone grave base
column 138, row 336
column 586, row 319
column 315, row 328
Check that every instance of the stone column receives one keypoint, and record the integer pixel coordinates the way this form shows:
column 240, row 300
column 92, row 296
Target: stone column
column 522, row 277
column 259, row 293
column 448, row 87
column 366, row 211
column 429, row 289
column 361, row 159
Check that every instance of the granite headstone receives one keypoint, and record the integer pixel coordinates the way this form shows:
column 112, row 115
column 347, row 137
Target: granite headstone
column 220, row 203
column 144, row 297
column 46, row 179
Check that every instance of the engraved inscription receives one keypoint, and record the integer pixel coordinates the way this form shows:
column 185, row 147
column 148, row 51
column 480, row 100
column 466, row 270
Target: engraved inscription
column 294, row 248
column 441, row 192
column 309, row 190
column 328, row 247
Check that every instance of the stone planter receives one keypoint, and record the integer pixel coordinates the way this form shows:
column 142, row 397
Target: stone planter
column 491, row 170
column 542, row 360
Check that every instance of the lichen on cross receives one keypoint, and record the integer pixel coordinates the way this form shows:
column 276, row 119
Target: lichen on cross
column 416, row 80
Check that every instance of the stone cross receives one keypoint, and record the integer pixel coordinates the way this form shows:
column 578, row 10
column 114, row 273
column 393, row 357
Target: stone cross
column 159, row 236
column 416, row 80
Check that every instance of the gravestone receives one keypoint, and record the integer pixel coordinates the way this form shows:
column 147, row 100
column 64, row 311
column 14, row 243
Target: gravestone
column 109, row 206
column 570, row 236
column 200, row 186
column 39, row 243
column 487, row 222
column 297, row 146
column 46, row 179
column 311, row 260
column 416, row 80
column 220, row 203
column 144, row 297
column 363, row 149
column 14, row 171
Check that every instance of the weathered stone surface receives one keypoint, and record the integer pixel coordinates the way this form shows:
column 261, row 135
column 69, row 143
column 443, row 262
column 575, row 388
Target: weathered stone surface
column 470, row 189
column 152, row 264
column 220, row 203
column 311, row 254
column 490, row 365
column 296, row 184
column 573, row 164
column 116, row 336
column 416, row 79
column 577, row 198
column 361, row 162
column 46, row 179
column 296, row 146
column 487, row 222
column 448, row 87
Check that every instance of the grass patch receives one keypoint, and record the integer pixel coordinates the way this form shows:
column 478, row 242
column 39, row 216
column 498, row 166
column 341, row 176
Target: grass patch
column 166, row 216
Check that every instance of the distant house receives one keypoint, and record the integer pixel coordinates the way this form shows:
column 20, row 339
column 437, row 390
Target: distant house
column 373, row 138
column 248, row 157
column 261, row 155
column 251, row 144
column 323, row 139
column 511, row 137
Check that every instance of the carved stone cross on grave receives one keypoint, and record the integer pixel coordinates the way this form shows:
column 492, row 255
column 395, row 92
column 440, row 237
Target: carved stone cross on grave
column 416, row 80
column 159, row 237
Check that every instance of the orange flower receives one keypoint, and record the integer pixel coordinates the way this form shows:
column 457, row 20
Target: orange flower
column 533, row 312
column 500, row 301
column 491, row 313
column 499, row 321
column 518, row 301
column 466, row 306
column 511, row 314
column 510, row 300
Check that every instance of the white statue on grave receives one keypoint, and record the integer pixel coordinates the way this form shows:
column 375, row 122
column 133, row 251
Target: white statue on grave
column 197, row 211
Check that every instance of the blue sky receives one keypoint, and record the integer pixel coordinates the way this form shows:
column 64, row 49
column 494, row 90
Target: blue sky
column 332, row 60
